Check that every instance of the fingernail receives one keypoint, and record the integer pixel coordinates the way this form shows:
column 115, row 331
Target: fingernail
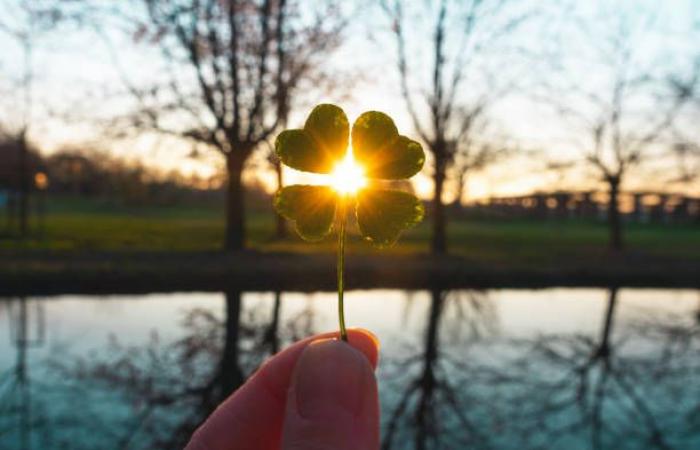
column 373, row 337
column 331, row 376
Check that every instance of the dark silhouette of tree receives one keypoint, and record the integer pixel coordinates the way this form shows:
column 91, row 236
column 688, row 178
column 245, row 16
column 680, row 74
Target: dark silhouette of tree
column 90, row 172
column 23, row 23
column 237, row 67
column 626, row 112
column 270, row 337
column 448, row 111
column 10, row 170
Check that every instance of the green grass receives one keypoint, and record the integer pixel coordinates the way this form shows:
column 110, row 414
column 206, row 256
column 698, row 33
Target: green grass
column 82, row 225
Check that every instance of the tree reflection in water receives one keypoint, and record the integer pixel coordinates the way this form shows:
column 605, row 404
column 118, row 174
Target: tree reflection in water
column 19, row 405
column 631, row 387
column 461, row 384
column 432, row 408
column 171, row 388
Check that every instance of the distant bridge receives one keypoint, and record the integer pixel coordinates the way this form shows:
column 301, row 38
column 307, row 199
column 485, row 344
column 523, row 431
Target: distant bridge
column 637, row 206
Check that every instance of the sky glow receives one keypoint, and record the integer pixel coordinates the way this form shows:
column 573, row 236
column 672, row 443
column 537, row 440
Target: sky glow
column 79, row 78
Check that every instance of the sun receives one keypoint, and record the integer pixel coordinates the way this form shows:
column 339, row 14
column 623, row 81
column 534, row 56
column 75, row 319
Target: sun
column 348, row 177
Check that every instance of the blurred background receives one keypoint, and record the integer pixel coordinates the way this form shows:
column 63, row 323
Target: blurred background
column 550, row 298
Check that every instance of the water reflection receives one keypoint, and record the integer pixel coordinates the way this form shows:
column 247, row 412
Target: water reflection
column 460, row 369
column 431, row 407
column 26, row 331
column 247, row 339
column 626, row 388
column 146, row 395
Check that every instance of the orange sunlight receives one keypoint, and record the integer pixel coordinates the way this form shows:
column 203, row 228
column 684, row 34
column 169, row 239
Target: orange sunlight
column 348, row 177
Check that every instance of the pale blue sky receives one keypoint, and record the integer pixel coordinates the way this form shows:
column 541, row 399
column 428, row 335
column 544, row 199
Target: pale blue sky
column 77, row 75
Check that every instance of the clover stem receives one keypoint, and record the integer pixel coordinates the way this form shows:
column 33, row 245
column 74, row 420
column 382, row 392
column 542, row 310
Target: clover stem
column 341, row 266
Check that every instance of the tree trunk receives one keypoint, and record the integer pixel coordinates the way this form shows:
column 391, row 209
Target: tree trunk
column 272, row 334
column 461, row 190
column 439, row 237
column 24, row 186
column 427, row 383
column 235, row 207
column 281, row 222
column 604, row 347
column 437, row 301
column 230, row 374
column 614, row 224
column 21, row 374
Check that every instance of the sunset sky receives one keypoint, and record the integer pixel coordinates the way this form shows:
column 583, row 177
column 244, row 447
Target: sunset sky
column 79, row 82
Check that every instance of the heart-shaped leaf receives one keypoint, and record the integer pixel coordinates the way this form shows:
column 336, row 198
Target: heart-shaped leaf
column 329, row 127
column 319, row 145
column 382, row 214
column 311, row 207
column 403, row 159
column 296, row 149
column 372, row 132
column 382, row 152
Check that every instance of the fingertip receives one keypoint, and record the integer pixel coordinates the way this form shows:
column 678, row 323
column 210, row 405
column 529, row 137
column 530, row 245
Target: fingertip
column 367, row 343
column 332, row 400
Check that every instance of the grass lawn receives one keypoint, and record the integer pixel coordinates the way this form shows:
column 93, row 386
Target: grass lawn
column 81, row 225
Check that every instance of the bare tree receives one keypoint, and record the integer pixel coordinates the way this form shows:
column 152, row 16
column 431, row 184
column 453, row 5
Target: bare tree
column 609, row 81
column 444, row 105
column 245, row 61
column 24, row 22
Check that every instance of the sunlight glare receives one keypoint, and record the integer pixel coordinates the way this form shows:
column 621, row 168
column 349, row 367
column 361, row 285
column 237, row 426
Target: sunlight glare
column 348, row 177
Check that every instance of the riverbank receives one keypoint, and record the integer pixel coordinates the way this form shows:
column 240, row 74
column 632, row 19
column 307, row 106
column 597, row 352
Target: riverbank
column 53, row 273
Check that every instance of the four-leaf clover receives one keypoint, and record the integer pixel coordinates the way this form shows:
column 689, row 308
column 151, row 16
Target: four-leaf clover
column 383, row 154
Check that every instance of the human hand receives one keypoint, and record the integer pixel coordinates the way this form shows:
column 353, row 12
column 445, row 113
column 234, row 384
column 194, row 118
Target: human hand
column 320, row 393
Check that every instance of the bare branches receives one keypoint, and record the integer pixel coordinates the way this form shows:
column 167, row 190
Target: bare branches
column 441, row 107
column 24, row 23
column 397, row 15
column 246, row 58
column 436, row 99
column 233, row 67
column 626, row 110
column 258, row 104
column 473, row 26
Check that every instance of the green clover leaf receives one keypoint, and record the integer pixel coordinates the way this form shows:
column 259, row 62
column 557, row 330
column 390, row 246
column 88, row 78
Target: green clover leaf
column 311, row 207
column 378, row 148
column 384, row 154
column 382, row 215
column 319, row 145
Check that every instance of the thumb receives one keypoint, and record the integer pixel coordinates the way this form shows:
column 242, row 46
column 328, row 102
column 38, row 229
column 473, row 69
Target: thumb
column 332, row 400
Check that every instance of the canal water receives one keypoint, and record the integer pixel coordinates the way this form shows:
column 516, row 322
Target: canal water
column 494, row 369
